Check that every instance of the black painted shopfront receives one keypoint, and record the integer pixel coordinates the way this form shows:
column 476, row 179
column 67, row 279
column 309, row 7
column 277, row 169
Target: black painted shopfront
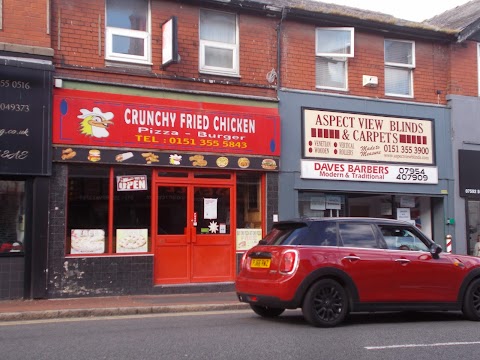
column 25, row 167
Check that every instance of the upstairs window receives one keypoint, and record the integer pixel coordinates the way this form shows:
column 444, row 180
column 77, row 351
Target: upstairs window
column 333, row 46
column 128, row 31
column 399, row 65
column 219, row 43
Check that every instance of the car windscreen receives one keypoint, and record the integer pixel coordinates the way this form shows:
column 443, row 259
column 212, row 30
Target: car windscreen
column 286, row 235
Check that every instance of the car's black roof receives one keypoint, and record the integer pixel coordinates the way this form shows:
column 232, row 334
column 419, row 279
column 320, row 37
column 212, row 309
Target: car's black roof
column 309, row 220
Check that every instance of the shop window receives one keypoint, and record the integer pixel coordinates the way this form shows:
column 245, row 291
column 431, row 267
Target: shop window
column 399, row 65
column 108, row 210
column 12, row 217
column 212, row 176
column 131, row 210
column 333, row 46
column 319, row 205
column 249, row 210
column 87, row 210
column 128, row 31
column 219, row 43
column 174, row 174
column 473, row 226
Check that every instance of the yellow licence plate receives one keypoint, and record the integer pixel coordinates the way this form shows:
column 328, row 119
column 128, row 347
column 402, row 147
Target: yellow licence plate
column 260, row 263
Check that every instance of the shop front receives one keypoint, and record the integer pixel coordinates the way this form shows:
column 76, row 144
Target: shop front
column 469, row 190
column 25, row 166
column 160, row 193
column 366, row 158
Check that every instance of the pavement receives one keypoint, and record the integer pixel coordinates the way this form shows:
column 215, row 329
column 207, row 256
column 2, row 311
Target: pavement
column 22, row 310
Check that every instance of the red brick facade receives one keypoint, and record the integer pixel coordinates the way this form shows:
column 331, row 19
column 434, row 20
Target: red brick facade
column 79, row 43
column 298, row 61
column 464, row 69
column 25, row 23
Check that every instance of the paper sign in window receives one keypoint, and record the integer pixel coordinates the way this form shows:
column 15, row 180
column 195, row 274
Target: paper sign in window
column 210, row 208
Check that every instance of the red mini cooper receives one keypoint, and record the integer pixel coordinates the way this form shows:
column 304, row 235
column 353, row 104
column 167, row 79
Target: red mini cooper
column 333, row 266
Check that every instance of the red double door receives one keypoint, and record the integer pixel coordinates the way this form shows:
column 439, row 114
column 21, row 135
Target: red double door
column 193, row 226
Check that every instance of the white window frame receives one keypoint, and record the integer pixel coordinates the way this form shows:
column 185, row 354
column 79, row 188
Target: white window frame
column 144, row 35
column 336, row 56
column 394, row 65
column 215, row 70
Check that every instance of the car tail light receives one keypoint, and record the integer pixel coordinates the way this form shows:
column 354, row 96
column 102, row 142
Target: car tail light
column 243, row 261
column 288, row 262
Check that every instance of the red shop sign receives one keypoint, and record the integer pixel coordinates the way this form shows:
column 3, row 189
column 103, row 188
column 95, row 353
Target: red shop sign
column 112, row 120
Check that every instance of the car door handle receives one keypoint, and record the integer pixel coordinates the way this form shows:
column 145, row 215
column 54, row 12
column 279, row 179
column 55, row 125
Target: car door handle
column 351, row 258
column 403, row 261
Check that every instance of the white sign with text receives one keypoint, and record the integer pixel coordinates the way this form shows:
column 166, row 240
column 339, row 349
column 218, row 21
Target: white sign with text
column 333, row 170
column 335, row 135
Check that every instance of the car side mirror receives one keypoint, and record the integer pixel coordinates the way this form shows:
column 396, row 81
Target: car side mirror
column 435, row 250
column 262, row 242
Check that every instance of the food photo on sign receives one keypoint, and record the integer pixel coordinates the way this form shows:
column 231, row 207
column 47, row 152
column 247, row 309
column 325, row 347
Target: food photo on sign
column 132, row 240
column 87, row 241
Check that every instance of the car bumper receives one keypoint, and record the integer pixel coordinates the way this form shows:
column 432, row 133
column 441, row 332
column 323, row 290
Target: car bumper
column 264, row 300
column 267, row 292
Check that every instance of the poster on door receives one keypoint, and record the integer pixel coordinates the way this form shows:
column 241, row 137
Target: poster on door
column 210, row 208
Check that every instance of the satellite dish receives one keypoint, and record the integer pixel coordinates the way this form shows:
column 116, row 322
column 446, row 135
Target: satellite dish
column 271, row 76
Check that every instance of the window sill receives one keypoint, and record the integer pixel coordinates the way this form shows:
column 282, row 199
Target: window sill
column 12, row 254
column 71, row 256
column 212, row 73
column 128, row 65
column 331, row 88
column 400, row 96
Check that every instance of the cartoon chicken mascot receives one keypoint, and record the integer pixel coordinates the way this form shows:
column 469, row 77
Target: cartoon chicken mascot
column 94, row 123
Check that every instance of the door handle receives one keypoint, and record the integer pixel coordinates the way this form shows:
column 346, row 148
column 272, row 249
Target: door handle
column 351, row 258
column 403, row 261
column 193, row 234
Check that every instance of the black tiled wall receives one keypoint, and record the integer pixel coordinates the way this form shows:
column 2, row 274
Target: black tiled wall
column 12, row 277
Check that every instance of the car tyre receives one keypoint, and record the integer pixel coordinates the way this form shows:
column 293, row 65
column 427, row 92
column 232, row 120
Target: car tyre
column 471, row 301
column 266, row 312
column 325, row 304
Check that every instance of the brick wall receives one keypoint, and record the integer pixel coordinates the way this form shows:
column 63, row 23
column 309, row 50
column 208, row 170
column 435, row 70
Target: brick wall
column 298, row 64
column 464, row 69
column 79, row 43
column 25, row 23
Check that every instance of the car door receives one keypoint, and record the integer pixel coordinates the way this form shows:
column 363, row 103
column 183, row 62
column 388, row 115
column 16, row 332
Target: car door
column 365, row 261
column 417, row 275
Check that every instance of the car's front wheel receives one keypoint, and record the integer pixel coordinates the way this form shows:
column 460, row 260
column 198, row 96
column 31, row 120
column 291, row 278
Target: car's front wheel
column 325, row 304
column 471, row 301
column 265, row 311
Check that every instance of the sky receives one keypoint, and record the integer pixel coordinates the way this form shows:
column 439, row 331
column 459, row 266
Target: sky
column 414, row 10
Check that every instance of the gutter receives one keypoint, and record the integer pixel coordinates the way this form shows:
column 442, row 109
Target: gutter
column 409, row 29
column 279, row 49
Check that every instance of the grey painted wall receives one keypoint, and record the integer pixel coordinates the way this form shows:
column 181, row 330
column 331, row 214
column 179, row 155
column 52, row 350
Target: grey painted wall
column 291, row 148
column 466, row 136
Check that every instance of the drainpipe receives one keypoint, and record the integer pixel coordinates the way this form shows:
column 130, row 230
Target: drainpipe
column 279, row 48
